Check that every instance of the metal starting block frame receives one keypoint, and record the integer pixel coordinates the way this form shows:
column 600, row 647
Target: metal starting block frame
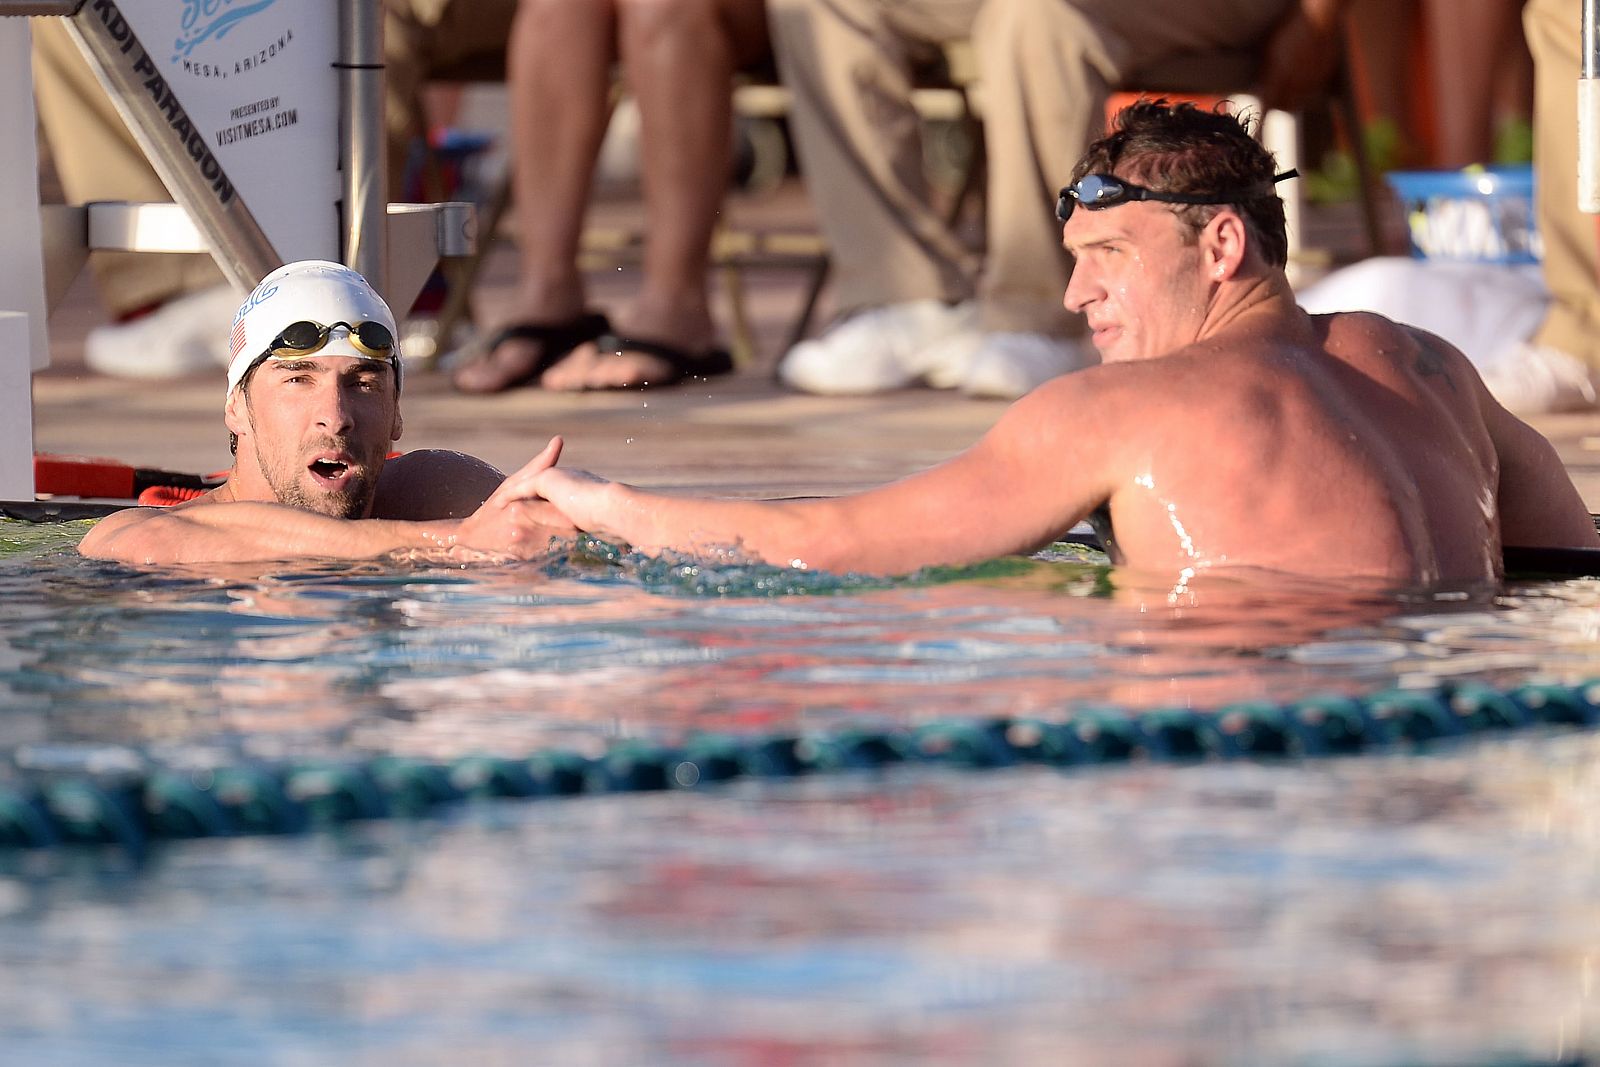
column 396, row 246
column 71, row 231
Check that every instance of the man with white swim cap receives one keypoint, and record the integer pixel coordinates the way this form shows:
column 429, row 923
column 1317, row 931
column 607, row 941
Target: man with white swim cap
column 1226, row 429
column 313, row 406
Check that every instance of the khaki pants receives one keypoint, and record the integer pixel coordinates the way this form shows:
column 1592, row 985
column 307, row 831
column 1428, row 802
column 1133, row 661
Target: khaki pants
column 97, row 158
column 1571, row 261
column 1047, row 67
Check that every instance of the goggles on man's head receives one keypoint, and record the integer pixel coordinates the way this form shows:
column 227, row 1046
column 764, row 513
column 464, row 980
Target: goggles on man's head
column 304, row 338
column 1096, row 191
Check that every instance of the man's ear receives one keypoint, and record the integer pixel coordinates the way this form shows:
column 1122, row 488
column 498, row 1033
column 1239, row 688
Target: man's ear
column 236, row 415
column 1223, row 243
column 398, row 427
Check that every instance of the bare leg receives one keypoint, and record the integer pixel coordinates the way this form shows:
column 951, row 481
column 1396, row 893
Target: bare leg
column 679, row 57
column 1467, row 40
column 1381, row 32
column 559, row 75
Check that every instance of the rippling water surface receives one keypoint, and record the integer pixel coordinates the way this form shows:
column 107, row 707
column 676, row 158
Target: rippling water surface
column 1438, row 907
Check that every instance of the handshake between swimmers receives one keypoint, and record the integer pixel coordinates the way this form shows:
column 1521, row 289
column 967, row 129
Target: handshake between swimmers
column 1224, row 428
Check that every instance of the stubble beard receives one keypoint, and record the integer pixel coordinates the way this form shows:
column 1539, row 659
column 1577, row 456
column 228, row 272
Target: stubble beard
column 349, row 503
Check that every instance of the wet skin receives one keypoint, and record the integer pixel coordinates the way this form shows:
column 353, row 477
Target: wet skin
column 1226, row 429
column 314, row 432
column 1329, row 445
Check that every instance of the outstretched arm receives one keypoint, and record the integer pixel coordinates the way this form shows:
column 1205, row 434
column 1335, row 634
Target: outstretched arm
column 1011, row 492
column 218, row 532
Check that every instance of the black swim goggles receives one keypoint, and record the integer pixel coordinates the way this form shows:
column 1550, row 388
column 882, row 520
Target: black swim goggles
column 304, row 338
column 1096, row 191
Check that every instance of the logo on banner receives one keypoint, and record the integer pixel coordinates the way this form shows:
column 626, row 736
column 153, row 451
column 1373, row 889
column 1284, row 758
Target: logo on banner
column 209, row 21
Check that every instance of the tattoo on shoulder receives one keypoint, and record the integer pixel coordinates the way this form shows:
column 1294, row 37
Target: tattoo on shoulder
column 1430, row 362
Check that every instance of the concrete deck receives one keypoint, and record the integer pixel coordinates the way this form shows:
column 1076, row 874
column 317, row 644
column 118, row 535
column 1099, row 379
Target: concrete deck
column 744, row 435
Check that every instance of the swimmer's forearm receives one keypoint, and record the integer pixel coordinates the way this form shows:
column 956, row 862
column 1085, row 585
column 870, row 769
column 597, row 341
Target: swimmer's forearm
column 783, row 533
column 884, row 531
column 1006, row 494
column 244, row 532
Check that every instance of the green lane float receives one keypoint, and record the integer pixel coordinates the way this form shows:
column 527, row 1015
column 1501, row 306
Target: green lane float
column 55, row 798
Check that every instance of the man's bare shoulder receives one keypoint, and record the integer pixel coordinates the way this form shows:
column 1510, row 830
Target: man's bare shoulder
column 1101, row 415
column 1370, row 331
column 1104, row 380
column 1370, row 341
column 1091, row 394
column 434, row 483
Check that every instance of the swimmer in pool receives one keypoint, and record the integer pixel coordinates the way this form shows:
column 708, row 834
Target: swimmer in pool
column 1226, row 427
column 313, row 406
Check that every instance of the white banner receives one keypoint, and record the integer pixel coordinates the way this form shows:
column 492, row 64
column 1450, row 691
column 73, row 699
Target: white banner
column 256, row 79
column 21, row 246
column 16, row 408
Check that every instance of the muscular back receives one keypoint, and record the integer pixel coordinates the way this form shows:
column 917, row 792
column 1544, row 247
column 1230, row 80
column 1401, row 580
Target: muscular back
column 1336, row 445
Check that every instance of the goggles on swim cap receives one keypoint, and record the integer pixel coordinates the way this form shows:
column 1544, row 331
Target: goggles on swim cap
column 1097, row 191
column 305, row 337
column 283, row 318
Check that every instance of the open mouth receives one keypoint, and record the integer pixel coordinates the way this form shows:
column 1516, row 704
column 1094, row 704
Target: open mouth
column 330, row 471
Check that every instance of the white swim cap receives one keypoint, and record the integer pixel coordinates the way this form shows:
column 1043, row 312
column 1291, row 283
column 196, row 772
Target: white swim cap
column 321, row 294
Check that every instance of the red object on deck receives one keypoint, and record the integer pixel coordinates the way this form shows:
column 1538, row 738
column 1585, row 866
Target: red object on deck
column 99, row 478
column 164, row 496
column 84, row 476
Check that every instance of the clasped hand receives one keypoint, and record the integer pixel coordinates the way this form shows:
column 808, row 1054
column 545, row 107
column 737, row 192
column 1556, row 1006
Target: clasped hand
column 522, row 516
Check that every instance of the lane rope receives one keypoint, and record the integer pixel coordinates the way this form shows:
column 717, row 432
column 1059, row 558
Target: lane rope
column 61, row 795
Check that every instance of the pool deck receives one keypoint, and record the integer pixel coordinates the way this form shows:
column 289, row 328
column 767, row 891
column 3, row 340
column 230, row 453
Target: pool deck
column 743, row 435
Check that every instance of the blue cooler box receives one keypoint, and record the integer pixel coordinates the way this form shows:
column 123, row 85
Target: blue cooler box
column 1477, row 215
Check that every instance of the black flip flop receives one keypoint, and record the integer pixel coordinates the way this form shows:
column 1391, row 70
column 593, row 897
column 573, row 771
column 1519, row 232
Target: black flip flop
column 682, row 362
column 556, row 341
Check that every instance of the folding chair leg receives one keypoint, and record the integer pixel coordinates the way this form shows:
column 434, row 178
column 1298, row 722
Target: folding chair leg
column 742, row 337
column 802, row 322
column 461, row 275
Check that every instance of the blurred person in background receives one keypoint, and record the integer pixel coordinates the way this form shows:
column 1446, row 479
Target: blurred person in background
column 678, row 59
column 1533, row 333
column 1557, row 368
column 1442, row 83
column 919, row 305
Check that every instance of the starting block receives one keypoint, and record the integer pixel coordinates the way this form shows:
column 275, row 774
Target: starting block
column 218, row 98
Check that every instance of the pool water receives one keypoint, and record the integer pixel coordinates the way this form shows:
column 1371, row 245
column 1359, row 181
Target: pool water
column 1438, row 906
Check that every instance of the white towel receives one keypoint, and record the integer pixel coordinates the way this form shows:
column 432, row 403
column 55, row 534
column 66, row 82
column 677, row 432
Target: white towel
column 1484, row 309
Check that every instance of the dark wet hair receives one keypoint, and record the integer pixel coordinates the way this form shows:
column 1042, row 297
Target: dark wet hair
column 1180, row 148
